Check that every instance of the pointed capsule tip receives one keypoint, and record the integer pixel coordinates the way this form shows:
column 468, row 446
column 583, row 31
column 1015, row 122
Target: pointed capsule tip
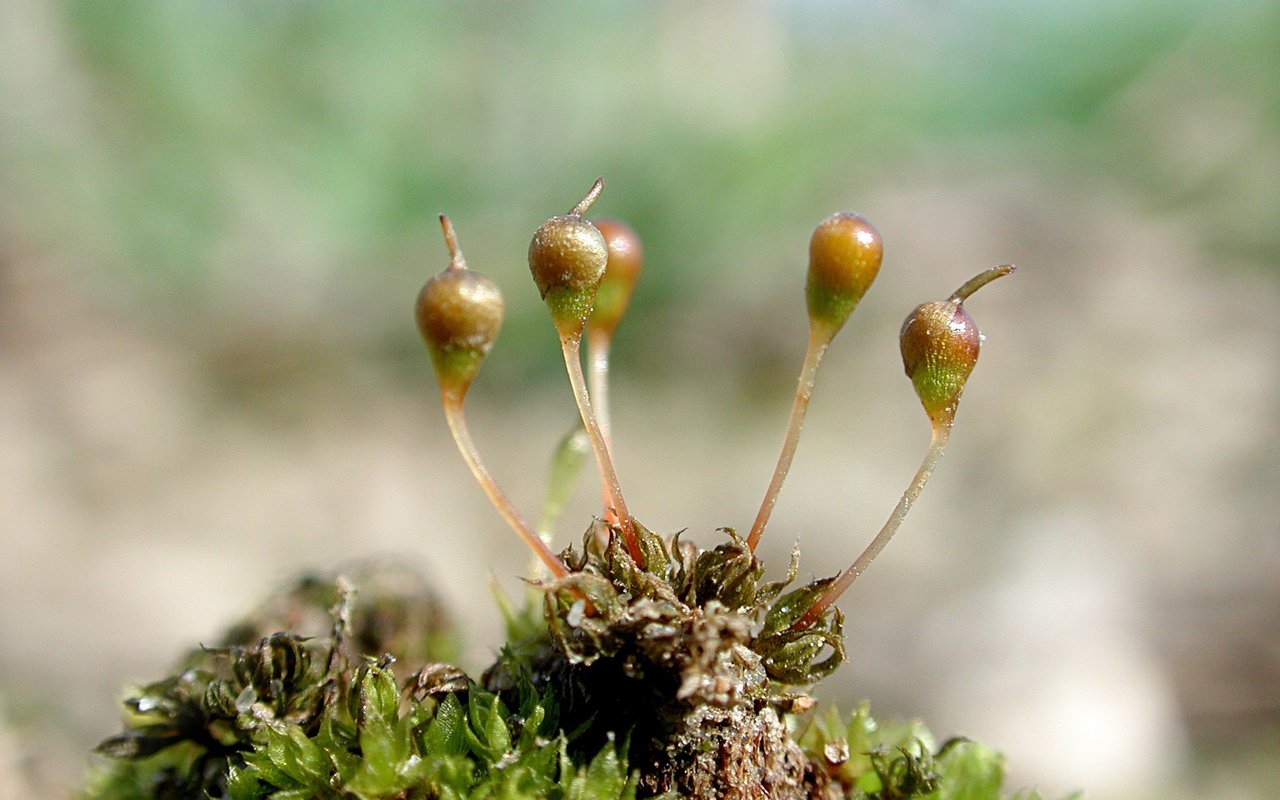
column 593, row 193
column 981, row 279
column 456, row 261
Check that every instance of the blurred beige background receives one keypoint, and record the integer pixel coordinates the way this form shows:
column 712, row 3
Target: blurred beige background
column 214, row 217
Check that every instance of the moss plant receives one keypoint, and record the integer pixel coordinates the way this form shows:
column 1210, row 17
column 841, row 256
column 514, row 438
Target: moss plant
column 643, row 665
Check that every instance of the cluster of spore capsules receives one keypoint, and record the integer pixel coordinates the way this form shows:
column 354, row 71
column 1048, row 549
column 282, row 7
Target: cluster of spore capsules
column 586, row 271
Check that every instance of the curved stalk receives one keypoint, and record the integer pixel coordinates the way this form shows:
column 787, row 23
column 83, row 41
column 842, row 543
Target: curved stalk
column 572, row 348
column 598, row 346
column 818, row 343
column 937, row 445
column 453, row 414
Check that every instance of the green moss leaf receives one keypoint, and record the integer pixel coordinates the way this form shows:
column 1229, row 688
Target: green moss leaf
column 487, row 731
column 140, row 743
column 446, row 733
column 969, row 771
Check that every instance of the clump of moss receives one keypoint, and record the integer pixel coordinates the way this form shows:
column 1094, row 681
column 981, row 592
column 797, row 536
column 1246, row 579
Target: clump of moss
column 644, row 667
column 294, row 717
column 690, row 654
column 319, row 717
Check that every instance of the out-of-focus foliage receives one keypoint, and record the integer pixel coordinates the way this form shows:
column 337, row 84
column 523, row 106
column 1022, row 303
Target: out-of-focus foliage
column 280, row 160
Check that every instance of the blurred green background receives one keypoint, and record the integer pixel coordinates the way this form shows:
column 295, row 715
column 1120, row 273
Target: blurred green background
column 214, row 217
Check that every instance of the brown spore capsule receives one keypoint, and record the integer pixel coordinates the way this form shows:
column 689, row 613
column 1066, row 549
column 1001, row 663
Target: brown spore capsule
column 459, row 314
column 625, row 259
column 940, row 344
column 567, row 258
column 845, row 253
